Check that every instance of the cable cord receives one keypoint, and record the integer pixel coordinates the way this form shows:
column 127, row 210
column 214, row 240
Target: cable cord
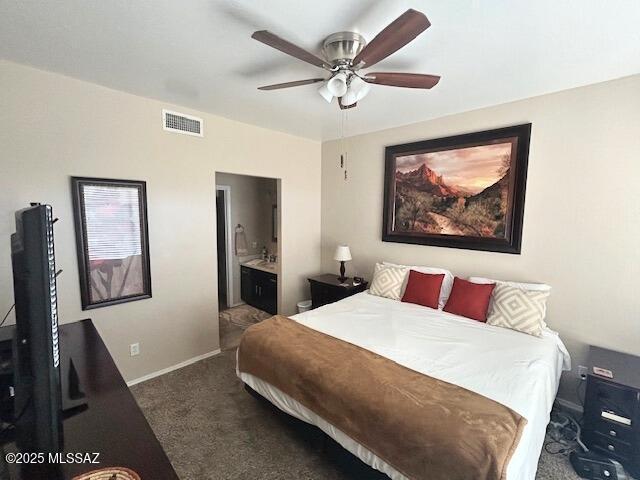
column 565, row 433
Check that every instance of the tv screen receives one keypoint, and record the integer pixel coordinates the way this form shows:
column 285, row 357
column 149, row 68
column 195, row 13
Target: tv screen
column 36, row 351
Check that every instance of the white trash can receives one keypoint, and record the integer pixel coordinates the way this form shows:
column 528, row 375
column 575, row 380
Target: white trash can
column 304, row 306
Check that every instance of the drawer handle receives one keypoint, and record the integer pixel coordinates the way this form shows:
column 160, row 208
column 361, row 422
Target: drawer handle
column 613, row 433
column 611, row 448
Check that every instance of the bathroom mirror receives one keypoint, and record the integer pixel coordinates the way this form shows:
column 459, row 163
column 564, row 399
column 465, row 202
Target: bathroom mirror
column 274, row 223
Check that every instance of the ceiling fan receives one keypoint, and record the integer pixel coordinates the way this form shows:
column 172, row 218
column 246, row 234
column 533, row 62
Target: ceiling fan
column 346, row 53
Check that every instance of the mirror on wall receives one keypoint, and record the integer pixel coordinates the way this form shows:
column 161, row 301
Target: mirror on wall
column 274, row 223
column 112, row 240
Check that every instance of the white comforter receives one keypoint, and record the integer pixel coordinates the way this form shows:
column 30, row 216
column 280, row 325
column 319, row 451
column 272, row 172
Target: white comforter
column 515, row 369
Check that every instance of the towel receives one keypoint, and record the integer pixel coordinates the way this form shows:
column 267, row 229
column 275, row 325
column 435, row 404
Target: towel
column 241, row 242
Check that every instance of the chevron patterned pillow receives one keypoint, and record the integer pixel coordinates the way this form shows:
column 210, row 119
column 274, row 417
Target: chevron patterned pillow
column 387, row 281
column 518, row 309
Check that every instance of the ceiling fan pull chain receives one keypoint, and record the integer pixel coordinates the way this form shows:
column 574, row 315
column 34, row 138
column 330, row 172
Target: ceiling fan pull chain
column 340, row 139
column 346, row 141
column 341, row 143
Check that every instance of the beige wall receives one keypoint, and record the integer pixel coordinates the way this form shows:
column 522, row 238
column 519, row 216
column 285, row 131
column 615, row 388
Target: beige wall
column 52, row 127
column 582, row 210
column 251, row 200
column 581, row 226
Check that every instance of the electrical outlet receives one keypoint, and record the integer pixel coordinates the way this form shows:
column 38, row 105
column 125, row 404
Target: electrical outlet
column 254, row 244
column 582, row 372
column 134, row 349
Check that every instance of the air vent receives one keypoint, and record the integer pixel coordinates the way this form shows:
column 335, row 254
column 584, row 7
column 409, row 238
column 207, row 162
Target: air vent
column 181, row 123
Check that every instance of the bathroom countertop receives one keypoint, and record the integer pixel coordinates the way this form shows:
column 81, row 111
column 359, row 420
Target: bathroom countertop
column 270, row 267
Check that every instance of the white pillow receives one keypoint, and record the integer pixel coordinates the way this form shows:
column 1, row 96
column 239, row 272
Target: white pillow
column 518, row 309
column 447, row 282
column 387, row 281
column 534, row 287
column 530, row 287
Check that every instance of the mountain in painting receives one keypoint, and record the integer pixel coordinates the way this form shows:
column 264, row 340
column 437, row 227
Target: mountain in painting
column 425, row 203
column 426, row 180
column 498, row 191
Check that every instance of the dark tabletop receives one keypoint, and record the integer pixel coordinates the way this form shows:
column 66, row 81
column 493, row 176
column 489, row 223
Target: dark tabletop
column 332, row 279
column 112, row 425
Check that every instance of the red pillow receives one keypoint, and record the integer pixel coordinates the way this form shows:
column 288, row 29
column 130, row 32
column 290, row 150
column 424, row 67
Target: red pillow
column 469, row 299
column 423, row 289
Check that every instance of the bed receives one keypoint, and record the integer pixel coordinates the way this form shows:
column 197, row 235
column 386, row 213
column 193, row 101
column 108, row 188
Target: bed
column 517, row 370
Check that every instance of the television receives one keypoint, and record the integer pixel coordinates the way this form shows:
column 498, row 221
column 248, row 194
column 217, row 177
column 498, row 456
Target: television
column 37, row 402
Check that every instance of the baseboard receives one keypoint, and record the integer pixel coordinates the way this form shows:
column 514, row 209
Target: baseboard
column 177, row 366
column 567, row 405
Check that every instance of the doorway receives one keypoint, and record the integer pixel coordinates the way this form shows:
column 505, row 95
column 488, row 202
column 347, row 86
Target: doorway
column 224, row 246
column 248, row 236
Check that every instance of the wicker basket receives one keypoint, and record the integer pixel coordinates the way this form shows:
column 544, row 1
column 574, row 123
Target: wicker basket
column 109, row 473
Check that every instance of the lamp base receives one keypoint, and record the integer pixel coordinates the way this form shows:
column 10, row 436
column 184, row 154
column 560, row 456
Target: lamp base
column 342, row 277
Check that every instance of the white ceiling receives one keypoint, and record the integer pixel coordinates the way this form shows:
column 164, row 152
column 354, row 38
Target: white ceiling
column 199, row 53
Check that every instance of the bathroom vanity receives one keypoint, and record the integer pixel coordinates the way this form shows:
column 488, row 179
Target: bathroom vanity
column 259, row 285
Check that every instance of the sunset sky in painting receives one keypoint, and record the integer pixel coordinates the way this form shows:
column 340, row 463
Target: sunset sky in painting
column 473, row 168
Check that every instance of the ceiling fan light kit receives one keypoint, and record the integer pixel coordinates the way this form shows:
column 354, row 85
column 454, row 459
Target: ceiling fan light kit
column 337, row 84
column 357, row 90
column 325, row 93
column 345, row 53
column 348, row 99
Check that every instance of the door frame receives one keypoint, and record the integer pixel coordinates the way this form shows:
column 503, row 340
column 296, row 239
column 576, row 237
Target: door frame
column 226, row 193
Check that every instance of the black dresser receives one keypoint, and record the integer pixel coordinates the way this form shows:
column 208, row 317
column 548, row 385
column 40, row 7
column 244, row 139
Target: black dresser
column 612, row 407
column 112, row 423
column 328, row 289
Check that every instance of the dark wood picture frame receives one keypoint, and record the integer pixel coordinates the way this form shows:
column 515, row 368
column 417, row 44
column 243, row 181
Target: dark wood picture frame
column 511, row 243
column 77, row 184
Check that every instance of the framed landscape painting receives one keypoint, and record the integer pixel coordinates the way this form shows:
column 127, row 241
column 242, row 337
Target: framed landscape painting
column 465, row 191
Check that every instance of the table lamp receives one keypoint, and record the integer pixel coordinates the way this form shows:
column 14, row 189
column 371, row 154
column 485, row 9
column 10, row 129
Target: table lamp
column 343, row 254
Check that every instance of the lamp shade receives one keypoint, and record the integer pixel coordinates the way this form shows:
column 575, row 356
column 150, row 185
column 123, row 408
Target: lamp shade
column 326, row 94
column 348, row 98
column 356, row 91
column 343, row 254
column 337, row 84
column 359, row 87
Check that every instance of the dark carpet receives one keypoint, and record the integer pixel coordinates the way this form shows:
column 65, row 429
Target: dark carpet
column 211, row 428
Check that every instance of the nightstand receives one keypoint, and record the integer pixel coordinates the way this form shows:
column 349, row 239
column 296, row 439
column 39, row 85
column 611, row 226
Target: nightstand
column 328, row 289
column 612, row 408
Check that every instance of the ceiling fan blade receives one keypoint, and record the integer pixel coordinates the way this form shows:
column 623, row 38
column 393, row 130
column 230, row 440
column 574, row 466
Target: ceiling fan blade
column 297, row 83
column 408, row 80
column 289, row 48
column 395, row 36
column 346, row 107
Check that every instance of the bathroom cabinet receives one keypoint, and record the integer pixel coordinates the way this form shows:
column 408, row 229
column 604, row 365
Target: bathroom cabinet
column 259, row 289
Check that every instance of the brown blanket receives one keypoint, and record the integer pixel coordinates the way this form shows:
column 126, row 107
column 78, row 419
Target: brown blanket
column 423, row 427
